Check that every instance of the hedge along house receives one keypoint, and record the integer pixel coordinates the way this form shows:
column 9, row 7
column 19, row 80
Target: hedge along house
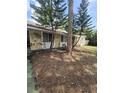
column 39, row 37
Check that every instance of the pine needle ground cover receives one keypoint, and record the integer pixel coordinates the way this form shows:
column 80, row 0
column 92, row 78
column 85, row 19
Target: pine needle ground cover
column 56, row 72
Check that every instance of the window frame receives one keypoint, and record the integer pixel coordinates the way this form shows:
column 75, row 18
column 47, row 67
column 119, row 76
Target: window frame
column 63, row 38
column 47, row 37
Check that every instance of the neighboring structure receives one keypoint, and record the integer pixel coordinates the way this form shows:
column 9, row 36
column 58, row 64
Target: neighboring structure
column 82, row 40
column 39, row 37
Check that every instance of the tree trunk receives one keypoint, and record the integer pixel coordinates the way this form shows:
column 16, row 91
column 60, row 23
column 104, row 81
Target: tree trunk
column 52, row 40
column 70, row 22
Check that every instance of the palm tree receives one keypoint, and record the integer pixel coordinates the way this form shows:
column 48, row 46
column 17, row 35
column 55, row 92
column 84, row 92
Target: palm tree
column 70, row 22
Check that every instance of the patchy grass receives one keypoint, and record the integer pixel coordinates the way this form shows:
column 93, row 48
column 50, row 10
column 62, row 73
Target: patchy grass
column 90, row 49
column 58, row 72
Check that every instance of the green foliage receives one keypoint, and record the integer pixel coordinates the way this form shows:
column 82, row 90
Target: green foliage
column 92, row 37
column 90, row 49
column 82, row 20
column 50, row 12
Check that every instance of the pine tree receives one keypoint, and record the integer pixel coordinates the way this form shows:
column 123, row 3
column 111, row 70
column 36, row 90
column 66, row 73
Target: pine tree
column 59, row 15
column 50, row 13
column 83, row 19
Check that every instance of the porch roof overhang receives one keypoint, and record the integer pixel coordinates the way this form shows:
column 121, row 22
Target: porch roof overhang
column 44, row 29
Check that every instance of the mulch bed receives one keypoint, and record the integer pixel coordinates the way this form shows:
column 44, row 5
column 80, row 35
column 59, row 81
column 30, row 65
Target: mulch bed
column 56, row 72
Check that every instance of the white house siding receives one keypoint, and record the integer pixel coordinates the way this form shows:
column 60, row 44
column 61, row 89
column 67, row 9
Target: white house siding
column 35, row 39
column 57, row 40
column 82, row 41
column 63, row 44
column 86, row 42
column 46, row 45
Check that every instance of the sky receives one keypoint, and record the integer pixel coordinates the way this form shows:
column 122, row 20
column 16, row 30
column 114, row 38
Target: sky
column 92, row 9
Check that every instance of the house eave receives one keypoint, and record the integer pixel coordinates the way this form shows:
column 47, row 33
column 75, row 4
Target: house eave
column 43, row 29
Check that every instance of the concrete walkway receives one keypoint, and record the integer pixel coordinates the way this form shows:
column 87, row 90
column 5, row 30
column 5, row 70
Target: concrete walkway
column 30, row 82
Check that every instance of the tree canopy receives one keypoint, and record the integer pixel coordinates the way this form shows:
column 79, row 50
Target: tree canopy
column 50, row 12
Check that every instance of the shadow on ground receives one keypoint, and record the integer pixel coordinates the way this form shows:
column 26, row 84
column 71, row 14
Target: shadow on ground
column 56, row 72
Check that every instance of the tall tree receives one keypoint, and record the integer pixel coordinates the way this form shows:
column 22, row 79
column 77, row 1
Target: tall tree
column 70, row 26
column 50, row 13
column 83, row 19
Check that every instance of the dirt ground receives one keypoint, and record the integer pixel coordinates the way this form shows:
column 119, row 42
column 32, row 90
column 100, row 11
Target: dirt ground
column 56, row 72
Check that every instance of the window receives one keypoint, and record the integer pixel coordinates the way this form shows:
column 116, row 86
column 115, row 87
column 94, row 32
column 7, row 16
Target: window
column 47, row 37
column 63, row 38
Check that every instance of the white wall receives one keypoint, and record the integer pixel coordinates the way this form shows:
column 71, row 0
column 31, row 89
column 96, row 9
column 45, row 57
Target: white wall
column 46, row 45
column 82, row 41
column 63, row 43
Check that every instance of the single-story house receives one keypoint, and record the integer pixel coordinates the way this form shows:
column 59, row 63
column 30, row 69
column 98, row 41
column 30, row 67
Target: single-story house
column 39, row 37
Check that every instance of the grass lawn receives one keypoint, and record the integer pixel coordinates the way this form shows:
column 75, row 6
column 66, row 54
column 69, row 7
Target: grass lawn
column 58, row 72
column 90, row 49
